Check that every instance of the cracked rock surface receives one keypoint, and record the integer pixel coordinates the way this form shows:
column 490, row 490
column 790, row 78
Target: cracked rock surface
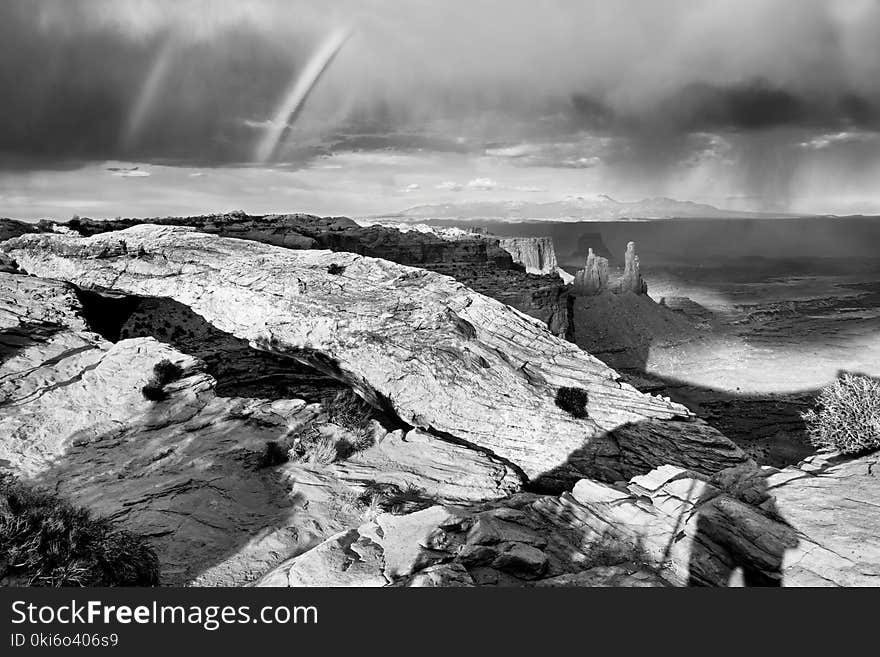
column 445, row 358
column 667, row 527
column 185, row 471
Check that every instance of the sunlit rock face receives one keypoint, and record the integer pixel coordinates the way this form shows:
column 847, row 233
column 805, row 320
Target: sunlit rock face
column 461, row 374
column 185, row 470
column 438, row 355
column 810, row 525
column 468, row 256
column 593, row 278
column 536, row 254
column 632, row 281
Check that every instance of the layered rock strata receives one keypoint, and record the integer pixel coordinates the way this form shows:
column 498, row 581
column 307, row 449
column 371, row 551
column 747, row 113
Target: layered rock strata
column 474, row 259
column 187, row 470
column 807, row 526
column 536, row 254
column 432, row 351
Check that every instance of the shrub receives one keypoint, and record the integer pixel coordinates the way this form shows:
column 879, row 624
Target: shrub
column 314, row 448
column 335, row 269
column 573, row 401
column 322, row 451
column 164, row 372
column 353, row 414
column 847, row 415
column 396, row 500
column 154, row 392
column 45, row 541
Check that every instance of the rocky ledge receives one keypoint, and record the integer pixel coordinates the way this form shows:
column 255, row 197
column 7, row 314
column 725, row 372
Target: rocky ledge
column 478, row 260
column 444, row 489
column 188, row 470
column 433, row 352
column 744, row 526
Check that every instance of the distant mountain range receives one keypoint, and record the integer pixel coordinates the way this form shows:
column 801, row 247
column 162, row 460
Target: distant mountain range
column 577, row 208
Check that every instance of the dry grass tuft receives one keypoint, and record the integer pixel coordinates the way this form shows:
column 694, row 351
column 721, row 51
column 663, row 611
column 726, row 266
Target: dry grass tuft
column 45, row 541
column 847, row 415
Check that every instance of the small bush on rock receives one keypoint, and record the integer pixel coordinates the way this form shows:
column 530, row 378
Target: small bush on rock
column 154, row 392
column 353, row 414
column 45, row 541
column 573, row 401
column 847, row 415
column 396, row 500
column 313, row 447
column 322, row 451
column 335, row 269
column 164, row 372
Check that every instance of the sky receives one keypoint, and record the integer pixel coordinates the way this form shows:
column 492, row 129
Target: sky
column 155, row 107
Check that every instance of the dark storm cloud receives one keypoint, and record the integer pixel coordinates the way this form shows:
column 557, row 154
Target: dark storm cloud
column 68, row 93
column 477, row 75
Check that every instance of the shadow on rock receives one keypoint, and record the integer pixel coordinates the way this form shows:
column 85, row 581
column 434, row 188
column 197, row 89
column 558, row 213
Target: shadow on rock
column 14, row 340
column 240, row 369
column 739, row 542
column 184, row 475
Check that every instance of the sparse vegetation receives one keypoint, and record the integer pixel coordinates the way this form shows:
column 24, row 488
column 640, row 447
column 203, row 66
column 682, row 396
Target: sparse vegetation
column 394, row 499
column 346, row 429
column 45, row 541
column 354, row 507
column 573, row 401
column 847, row 415
column 164, row 372
column 335, row 269
column 610, row 550
column 322, row 451
column 349, row 411
column 154, row 392
column 313, row 447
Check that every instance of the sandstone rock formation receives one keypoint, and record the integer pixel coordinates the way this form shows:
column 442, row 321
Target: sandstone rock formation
column 463, row 388
column 744, row 526
column 426, row 348
column 536, row 254
column 789, row 527
column 525, row 540
column 471, row 257
column 185, row 471
column 632, row 277
column 593, row 278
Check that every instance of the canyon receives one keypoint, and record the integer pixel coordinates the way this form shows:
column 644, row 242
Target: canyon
column 470, row 474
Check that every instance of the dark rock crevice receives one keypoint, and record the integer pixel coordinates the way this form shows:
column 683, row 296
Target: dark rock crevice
column 240, row 369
